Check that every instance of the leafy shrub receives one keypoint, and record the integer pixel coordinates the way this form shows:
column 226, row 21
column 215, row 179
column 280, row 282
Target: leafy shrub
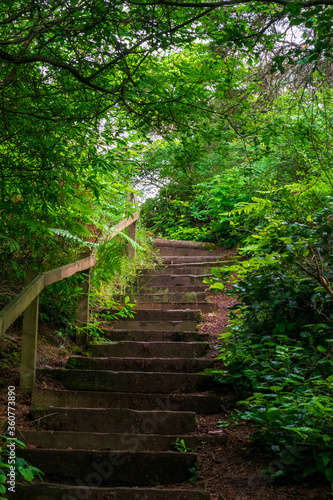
column 23, row 470
column 278, row 348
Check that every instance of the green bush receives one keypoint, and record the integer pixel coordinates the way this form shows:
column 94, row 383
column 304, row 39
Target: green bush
column 278, row 348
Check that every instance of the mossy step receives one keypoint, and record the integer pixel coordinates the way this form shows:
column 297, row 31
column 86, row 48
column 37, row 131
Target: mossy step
column 127, row 381
column 152, row 335
column 196, row 287
column 202, row 403
column 181, row 269
column 170, row 298
column 103, row 468
column 185, row 252
column 178, row 259
column 205, row 307
column 172, row 326
column 199, row 263
column 149, row 349
column 68, row 492
column 141, row 364
column 166, row 280
column 119, row 420
column 184, row 244
column 169, row 316
column 116, row 442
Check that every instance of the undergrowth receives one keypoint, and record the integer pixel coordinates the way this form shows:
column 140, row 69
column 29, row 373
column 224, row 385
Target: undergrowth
column 277, row 350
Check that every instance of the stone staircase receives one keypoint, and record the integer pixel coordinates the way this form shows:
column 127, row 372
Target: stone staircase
column 110, row 433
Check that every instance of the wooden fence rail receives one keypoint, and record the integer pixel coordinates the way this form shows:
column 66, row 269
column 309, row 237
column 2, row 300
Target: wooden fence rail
column 27, row 302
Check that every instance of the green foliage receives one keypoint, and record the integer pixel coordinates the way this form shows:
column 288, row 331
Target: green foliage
column 180, row 446
column 194, row 475
column 278, row 348
column 23, row 470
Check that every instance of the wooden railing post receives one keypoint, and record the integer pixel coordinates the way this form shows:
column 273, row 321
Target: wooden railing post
column 29, row 341
column 82, row 318
column 132, row 232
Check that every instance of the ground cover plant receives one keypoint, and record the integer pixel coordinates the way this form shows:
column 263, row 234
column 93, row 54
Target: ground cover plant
column 278, row 348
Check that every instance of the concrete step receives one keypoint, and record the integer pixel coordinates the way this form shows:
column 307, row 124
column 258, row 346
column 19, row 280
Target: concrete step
column 102, row 468
column 196, row 287
column 169, row 315
column 206, row 263
column 175, row 251
column 205, row 403
column 169, row 297
column 185, row 248
column 180, row 269
column 172, row 326
column 204, row 307
column 194, row 365
column 178, row 259
column 116, row 442
column 148, row 349
column 49, row 491
column 157, row 382
column 167, row 280
column 152, row 335
column 119, row 420
column 166, row 242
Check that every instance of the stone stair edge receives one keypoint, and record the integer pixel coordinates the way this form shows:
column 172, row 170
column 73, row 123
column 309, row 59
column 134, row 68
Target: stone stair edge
column 165, row 242
column 37, row 492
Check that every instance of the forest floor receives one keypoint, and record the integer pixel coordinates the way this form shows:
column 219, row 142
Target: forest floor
column 229, row 472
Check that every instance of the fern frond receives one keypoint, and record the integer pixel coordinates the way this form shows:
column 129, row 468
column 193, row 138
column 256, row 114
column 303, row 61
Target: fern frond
column 12, row 245
column 63, row 233
column 257, row 207
column 109, row 260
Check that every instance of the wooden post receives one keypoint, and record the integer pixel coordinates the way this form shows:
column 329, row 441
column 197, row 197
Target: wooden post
column 132, row 232
column 29, row 341
column 83, row 308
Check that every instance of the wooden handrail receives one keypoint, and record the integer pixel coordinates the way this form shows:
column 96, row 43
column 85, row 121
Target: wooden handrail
column 18, row 305
column 27, row 302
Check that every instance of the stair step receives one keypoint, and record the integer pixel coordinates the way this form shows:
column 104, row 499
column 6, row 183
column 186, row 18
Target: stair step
column 181, row 269
column 198, row 288
column 102, row 468
column 185, row 248
column 115, row 442
column 205, row 307
column 167, row 280
column 172, row 251
column 118, row 420
column 97, row 380
column 178, row 259
column 49, row 491
column 167, row 242
column 184, row 365
column 173, row 326
column 169, row 315
column 149, row 349
column 206, row 403
column 152, row 335
column 205, row 263
column 170, row 298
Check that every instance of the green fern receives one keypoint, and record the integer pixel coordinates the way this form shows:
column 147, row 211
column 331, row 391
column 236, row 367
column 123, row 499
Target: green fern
column 11, row 244
column 64, row 233
column 110, row 257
